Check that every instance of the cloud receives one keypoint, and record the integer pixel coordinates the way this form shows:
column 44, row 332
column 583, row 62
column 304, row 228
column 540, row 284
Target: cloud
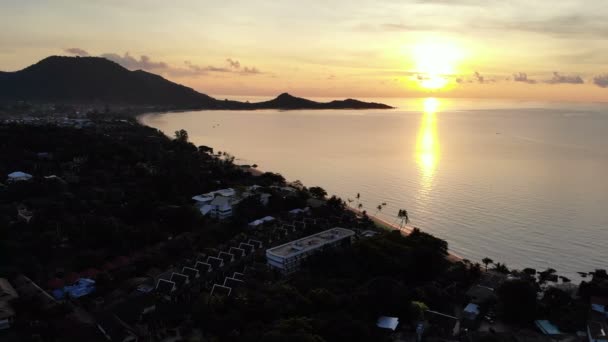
column 233, row 63
column 144, row 62
column 250, row 71
column 77, row 52
column 601, row 81
column 568, row 79
column 523, row 77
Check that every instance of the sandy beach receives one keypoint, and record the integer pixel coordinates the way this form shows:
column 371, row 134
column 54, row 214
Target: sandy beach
column 407, row 229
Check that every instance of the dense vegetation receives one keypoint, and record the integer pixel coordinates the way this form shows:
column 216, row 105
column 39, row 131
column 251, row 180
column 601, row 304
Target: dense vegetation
column 118, row 193
column 119, row 187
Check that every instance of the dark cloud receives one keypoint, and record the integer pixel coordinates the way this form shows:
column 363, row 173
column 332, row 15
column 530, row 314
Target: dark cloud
column 250, row 71
column 77, row 52
column 568, row 79
column 233, row 63
column 477, row 76
column 188, row 69
column 144, row 62
column 601, row 80
column 523, row 77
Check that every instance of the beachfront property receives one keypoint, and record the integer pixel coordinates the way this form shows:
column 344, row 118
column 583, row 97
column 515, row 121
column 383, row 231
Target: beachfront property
column 220, row 203
column 288, row 257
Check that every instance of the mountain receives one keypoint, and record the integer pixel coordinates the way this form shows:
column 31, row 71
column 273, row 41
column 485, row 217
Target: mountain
column 98, row 80
column 287, row 101
column 94, row 79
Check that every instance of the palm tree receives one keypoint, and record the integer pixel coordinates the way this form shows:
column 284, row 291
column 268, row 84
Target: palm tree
column 404, row 217
column 379, row 207
column 502, row 268
column 487, row 261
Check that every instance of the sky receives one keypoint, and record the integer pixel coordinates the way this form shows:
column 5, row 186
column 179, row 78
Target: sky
column 539, row 50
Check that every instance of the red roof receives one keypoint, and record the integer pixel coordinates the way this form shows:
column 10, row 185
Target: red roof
column 71, row 278
column 55, row 283
column 90, row 273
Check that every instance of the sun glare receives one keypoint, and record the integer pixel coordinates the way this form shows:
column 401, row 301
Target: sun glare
column 434, row 62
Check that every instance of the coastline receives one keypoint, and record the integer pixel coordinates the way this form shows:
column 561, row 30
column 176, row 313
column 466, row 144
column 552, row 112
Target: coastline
column 406, row 230
column 380, row 223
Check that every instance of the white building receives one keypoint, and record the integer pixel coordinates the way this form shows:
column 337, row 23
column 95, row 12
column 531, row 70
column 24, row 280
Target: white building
column 220, row 203
column 18, row 176
column 261, row 221
column 288, row 257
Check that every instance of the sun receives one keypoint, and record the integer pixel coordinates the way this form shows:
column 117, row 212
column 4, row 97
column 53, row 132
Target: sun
column 434, row 62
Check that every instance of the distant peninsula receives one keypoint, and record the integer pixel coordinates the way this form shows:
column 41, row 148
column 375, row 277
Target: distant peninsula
column 89, row 80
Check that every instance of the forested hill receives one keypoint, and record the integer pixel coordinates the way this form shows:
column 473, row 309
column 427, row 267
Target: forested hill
column 98, row 80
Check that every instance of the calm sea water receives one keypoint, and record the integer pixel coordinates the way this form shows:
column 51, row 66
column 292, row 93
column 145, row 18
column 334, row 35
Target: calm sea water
column 523, row 183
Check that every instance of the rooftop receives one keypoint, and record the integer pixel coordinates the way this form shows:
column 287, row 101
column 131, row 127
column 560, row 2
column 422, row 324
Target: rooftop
column 547, row 327
column 310, row 242
column 385, row 322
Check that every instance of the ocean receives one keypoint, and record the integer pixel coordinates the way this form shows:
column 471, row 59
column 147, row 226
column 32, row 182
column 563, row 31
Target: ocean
column 523, row 183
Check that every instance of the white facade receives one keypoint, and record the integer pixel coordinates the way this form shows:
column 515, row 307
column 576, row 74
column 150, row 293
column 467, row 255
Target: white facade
column 288, row 257
column 220, row 203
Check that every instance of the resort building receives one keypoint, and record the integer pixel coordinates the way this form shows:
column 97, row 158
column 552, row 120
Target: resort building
column 288, row 257
column 220, row 203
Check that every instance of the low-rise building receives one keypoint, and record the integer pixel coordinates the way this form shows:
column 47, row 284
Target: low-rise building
column 220, row 203
column 288, row 257
column 18, row 176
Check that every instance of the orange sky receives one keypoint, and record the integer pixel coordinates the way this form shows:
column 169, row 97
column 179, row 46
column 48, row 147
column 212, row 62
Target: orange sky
column 545, row 50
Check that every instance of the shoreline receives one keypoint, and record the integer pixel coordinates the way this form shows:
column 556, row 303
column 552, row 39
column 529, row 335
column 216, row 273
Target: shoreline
column 380, row 223
column 406, row 230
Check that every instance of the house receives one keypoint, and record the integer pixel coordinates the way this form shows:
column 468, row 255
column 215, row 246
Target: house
column 261, row 221
column 179, row 279
column 220, row 290
column 471, row 312
column 82, row 287
column 18, row 176
column 288, row 257
column 220, row 203
column 298, row 211
column 192, row 273
column 217, row 203
column 232, row 282
column 237, row 252
column 385, row 322
column 165, row 287
column 547, row 327
column 221, row 207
